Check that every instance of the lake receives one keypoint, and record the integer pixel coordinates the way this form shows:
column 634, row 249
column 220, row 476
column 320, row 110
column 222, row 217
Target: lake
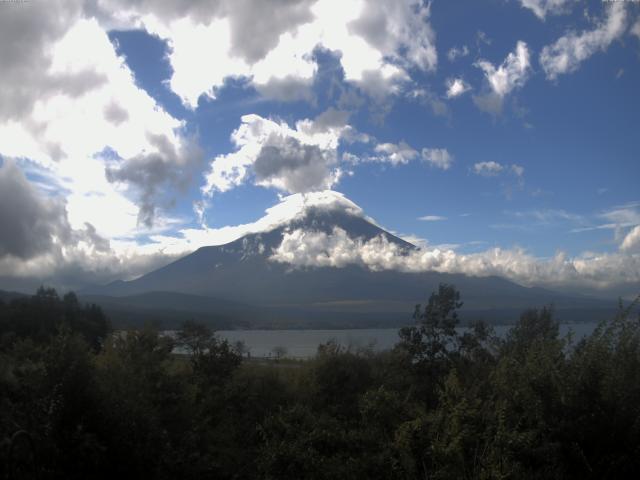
column 304, row 343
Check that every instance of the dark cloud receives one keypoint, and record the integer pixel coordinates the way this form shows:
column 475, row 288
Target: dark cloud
column 256, row 26
column 77, row 270
column 149, row 172
column 115, row 114
column 288, row 89
column 28, row 222
column 266, row 20
column 489, row 102
column 33, row 225
column 288, row 164
column 330, row 118
column 27, row 30
column 91, row 236
column 400, row 30
column 38, row 245
column 202, row 11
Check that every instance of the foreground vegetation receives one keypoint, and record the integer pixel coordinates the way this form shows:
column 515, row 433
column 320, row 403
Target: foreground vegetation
column 79, row 402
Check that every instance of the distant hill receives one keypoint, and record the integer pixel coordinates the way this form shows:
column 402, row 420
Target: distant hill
column 237, row 284
column 6, row 296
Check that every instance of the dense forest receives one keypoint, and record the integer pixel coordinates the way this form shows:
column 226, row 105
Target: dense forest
column 78, row 401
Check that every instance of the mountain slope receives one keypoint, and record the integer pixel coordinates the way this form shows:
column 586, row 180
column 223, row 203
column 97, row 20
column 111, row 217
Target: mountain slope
column 242, row 272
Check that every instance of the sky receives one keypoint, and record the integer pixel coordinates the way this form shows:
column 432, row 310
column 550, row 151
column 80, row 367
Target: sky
column 501, row 136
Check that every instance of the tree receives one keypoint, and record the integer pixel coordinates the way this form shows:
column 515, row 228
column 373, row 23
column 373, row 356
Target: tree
column 279, row 351
column 213, row 360
column 433, row 343
column 434, row 337
column 338, row 377
column 43, row 315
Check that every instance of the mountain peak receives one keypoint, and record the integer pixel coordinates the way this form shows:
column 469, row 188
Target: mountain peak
column 295, row 207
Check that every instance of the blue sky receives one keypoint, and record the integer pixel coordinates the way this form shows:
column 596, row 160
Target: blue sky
column 535, row 150
column 576, row 137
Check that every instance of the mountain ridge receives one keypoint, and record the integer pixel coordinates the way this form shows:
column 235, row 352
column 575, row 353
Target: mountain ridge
column 242, row 272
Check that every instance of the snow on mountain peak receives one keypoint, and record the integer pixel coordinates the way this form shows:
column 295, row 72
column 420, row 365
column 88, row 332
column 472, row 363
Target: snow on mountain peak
column 296, row 206
column 290, row 208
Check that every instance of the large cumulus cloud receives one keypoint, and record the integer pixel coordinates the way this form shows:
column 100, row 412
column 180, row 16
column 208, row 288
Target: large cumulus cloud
column 294, row 160
column 38, row 243
column 312, row 155
column 25, row 40
column 66, row 98
column 288, row 164
column 598, row 271
column 30, row 224
column 378, row 42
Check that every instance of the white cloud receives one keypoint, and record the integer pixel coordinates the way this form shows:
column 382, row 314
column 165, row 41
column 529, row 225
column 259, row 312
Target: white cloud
column 395, row 154
column 457, row 52
column 394, row 26
column 402, row 153
column 502, row 80
column 543, row 7
column 631, row 241
column 301, row 248
column 456, row 87
column 487, row 169
column 437, row 157
column 549, row 216
column 411, row 238
column 492, row 169
column 518, row 170
column 615, row 218
column 635, row 30
column 304, row 158
column 68, row 108
column 624, row 216
column 432, row 218
column 378, row 42
column 569, row 51
column 290, row 208
column 511, row 74
column 293, row 160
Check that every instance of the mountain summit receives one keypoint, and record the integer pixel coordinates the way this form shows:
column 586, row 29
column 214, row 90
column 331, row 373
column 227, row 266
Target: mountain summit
column 248, row 271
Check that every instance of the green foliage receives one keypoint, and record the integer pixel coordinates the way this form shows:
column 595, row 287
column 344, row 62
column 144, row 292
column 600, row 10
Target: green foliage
column 446, row 403
column 338, row 378
column 41, row 316
column 212, row 360
column 434, row 337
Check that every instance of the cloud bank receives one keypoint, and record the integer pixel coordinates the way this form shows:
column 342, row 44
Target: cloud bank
column 52, row 90
column 39, row 245
column 378, row 42
column 305, row 249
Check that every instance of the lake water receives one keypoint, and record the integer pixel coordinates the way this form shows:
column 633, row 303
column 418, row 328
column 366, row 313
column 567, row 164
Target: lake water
column 304, row 343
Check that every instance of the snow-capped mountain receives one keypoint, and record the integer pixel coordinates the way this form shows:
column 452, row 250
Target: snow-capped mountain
column 253, row 271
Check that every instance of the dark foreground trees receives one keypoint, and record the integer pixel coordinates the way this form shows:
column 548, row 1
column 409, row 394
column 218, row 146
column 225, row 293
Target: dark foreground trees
column 78, row 402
